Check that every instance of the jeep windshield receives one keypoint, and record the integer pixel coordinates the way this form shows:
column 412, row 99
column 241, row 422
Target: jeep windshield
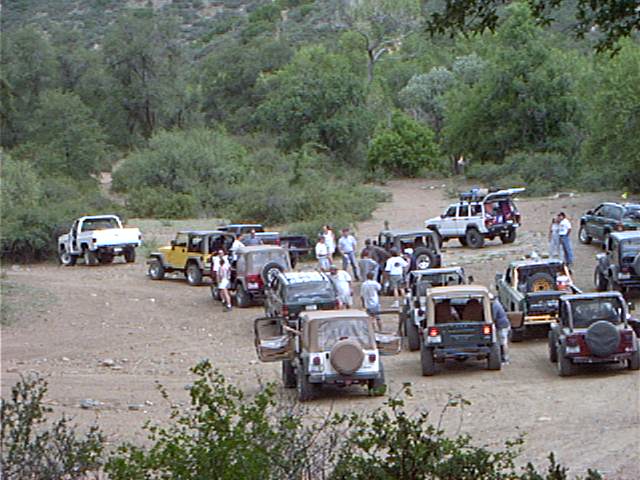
column 591, row 310
column 257, row 260
column 630, row 247
column 331, row 331
column 310, row 292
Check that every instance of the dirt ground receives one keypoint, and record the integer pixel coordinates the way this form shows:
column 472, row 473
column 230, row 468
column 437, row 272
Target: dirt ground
column 64, row 322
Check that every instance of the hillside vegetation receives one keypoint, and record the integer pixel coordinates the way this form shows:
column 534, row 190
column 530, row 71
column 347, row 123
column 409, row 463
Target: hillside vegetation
column 287, row 112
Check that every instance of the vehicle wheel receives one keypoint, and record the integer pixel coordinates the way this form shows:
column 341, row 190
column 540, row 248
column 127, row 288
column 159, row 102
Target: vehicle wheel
column 463, row 241
column 517, row 335
column 599, row 280
column 67, row 259
column 540, row 282
column 494, row 361
column 156, row 270
column 553, row 352
column 427, row 361
column 194, row 274
column 269, row 271
column 583, row 236
column 508, row 237
column 634, row 361
column 378, row 386
column 413, row 335
column 130, row 255
column 474, row 238
column 105, row 258
column 288, row 374
column 90, row 258
column 215, row 293
column 605, row 240
column 306, row 390
column 423, row 259
column 243, row 300
column 566, row 368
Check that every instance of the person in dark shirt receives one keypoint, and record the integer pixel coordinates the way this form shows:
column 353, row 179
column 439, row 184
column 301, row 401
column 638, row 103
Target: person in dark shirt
column 503, row 327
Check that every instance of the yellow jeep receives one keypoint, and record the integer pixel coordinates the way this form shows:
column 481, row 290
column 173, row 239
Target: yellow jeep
column 190, row 252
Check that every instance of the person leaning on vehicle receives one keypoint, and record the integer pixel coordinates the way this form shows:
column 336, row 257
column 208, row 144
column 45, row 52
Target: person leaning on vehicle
column 342, row 282
column 503, row 327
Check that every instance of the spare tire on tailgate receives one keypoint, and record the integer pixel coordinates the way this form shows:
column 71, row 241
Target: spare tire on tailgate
column 268, row 271
column 346, row 356
column 540, row 282
column 602, row 338
column 636, row 264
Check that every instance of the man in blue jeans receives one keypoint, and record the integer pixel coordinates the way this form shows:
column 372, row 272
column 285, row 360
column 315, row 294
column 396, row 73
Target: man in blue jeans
column 564, row 231
column 347, row 247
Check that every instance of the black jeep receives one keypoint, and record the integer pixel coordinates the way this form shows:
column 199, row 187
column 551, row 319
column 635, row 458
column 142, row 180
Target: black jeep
column 619, row 267
column 423, row 244
column 291, row 293
column 593, row 328
column 598, row 224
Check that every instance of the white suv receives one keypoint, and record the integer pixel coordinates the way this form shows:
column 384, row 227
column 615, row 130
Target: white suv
column 479, row 214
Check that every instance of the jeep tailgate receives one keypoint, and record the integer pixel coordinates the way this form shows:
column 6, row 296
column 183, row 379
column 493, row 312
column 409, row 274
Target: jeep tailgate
column 542, row 303
column 462, row 334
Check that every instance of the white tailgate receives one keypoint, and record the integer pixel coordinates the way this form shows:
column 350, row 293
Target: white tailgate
column 116, row 236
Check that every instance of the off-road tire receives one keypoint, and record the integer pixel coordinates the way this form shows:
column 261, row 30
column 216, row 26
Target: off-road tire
column 634, row 362
column 602, row 338
column 306, row 390
column 215, row 293
column 508, row 237
column 474, row 238
column 540, row 282
column 463, row 241
column 423, row 258
column 583, row 236
column 90, row 258
column 413, row 335
column 427, row 362
column 517, row 335
column 156, row 270
column 553, row 348
column 288, row 374
column 566, row 368
column 267, row 269
column 600, row 281
column 243, row 299
column 66, row 258
column 494, row 360
column 130, row 255
column 105, row 258
column 193, row 274
column 378, row 386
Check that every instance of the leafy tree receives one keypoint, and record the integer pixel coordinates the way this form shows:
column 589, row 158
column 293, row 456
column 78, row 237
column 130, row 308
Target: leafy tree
column 404, row 148
column 64, row 138
column 317, row 98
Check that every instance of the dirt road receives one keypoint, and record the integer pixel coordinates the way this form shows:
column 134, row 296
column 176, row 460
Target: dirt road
column 65, row 322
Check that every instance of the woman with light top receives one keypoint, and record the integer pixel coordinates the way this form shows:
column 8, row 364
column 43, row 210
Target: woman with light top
column 322, row 254
column 555, row 249
column 329, row 240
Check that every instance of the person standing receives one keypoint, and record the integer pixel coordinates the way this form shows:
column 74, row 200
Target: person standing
column 253, row 239
column 555, row 249
column 237, row 244
column 342, row 282
column 503, row 328
column 347, row 247
column 369, row 292
column 564, row 232
column 322, row 254
column 224, row 280
column 329, row 240
column 367, row 264
column 395, row 269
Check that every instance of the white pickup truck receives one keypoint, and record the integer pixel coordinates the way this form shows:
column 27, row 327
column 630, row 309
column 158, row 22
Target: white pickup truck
column 98, row 239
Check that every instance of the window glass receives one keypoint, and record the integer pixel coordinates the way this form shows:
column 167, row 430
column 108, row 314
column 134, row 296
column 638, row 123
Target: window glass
column 331, row 332
column 463, row 211
column 587, row 312
column 99, row 224
column 451, row 211
column 181, row 240
column 196, row 243
column 615, row 213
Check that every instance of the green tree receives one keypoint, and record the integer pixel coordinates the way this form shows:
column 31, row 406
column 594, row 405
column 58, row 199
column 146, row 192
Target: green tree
column 317, row 98
column 405, row 148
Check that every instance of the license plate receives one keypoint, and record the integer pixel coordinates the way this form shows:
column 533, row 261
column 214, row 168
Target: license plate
column 436, row 339
column 624, row 276
column 117, row 250
column 311, row 307
column 575, row 349
column 252, row 285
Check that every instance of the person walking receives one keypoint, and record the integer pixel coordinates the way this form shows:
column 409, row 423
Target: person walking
column 329, row 240
column 224, row 280
column 370, row 294
column 555, row 249
column 347, row 247
column 395, row 270
column 503, row 328
column 342, row 282
column 564, row 232
column 322, row 254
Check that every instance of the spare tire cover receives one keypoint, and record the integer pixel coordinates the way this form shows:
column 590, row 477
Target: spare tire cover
column 602, row 338
column 636, row 264
column 268, row 271
column 346, row 356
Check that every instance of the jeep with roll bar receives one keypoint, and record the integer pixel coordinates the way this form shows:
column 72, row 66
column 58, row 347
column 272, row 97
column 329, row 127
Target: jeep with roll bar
column 529, row 291
column 459, row 325
column 593, row 328
column 479, row 214
column 618, row 268
column 189, row 253
column 423, row 245
column 413, row 307
column 326, row 347
column 291, row 293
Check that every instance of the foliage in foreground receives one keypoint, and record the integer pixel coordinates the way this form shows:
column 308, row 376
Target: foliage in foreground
column 223, row 434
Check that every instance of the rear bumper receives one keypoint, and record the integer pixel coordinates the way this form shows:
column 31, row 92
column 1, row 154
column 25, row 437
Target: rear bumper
column 615, row 358
column 539, row 319
column 633, row 282
column 339, row 379
column 116, row 249
column 441, row 353
column 502, row 228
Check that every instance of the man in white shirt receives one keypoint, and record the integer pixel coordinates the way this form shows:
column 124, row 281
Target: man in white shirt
column 322, row 254
column 395, row 270
column 564, row 232
column 234, row 248
column 342, row 282
column 347, row 247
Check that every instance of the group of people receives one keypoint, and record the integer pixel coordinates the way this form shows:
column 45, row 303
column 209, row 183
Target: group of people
column 560, row 239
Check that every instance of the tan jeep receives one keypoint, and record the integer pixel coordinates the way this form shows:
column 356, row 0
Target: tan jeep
column 338, row 347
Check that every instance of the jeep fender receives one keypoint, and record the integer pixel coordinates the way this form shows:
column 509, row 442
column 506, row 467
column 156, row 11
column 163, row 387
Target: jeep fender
column 198, row 261
column 156, row 256
column 473, row 225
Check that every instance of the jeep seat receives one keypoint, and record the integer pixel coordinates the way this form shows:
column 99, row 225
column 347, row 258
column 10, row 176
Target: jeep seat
column 473, row 311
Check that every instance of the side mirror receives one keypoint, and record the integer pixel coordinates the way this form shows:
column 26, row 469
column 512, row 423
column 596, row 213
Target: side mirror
column 631, row 306
column 470, row 279
column 589, row 212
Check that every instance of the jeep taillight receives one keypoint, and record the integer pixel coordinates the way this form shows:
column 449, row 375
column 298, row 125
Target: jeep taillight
column 255, row 279
column 434, row 332
column 486, row 329
column 626, row 341
column 285, row 310
column 316, row 360
column 372, row 357
column 572, row 341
